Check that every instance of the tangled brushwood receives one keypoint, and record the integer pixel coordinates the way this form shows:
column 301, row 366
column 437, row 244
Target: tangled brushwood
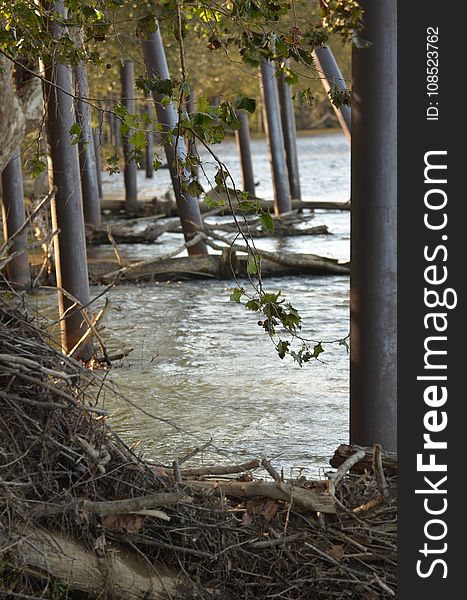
column 83, row 517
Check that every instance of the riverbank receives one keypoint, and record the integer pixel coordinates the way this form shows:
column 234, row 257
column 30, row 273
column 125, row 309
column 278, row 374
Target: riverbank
column 83, row 512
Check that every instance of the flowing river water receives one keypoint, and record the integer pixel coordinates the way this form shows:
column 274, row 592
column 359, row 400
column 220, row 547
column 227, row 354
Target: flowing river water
column 202, row 361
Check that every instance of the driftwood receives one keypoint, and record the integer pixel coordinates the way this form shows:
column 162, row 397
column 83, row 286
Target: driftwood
column 215, row 266
column 226, row 265
column 123, row 233
column 112, row 507
column 121, row 575
column 283, row 227
column 305, row 262
column 344, row 451
column 230, row 197
column 241, row 538
column 221, row 469
column 169, row 209
column 305, row 499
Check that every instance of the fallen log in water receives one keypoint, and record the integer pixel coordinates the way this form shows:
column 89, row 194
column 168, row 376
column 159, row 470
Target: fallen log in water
column 217, row 266
column 282, row 228
column 146, row 230
column 125, row 233
column 169, row 209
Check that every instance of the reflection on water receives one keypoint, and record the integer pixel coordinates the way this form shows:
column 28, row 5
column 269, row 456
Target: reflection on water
column 204, row 363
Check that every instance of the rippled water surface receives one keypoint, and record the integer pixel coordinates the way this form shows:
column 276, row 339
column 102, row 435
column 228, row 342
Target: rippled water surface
column 203, row 362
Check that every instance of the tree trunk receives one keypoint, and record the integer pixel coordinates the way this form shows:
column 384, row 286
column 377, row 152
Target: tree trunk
column 67, row 207
column 118, row 573
column 272, row 121
column 89, row 186
column 188, row 209
column 13, row 219
column 130, row 174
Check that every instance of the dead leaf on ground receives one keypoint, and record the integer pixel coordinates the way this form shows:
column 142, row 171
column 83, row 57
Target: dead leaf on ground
column 259, row 507
column 336, row 552
column 270, row 510
column 128, row 523
column 370, row 596
column 247, row 519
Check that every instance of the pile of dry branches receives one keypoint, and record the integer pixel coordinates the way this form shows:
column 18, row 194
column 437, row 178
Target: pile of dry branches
column 83, row 517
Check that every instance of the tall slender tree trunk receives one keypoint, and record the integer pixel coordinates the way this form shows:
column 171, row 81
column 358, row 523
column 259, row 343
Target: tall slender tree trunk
column 89, row 185
column 373, row 284
column 13, row 219
column 188, row 208
column 192, row 150
column 131, row 170
column 330, row 74
column 97, row 152
column 244, row 148
column 67, row 207
column 289, row 130
column 149, row 144
column 272, row 120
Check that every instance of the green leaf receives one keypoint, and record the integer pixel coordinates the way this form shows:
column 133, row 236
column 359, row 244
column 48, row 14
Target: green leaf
column 121, row 111
column 317, row 350
column 38, row 166
column 252, row 265
column 249, row 206
column 220, row 177
column 340, row 97
column 138, row 139
column 291, row 77
column 236, row 295
column 228, row 115
column 282, row 348
column 244, row 103
column 269, row 298
column 185, row 88
column 267, row 222
column 193, row 188
column 75, row 130
column 253, row 305
column 113, row 163
column 213, row 202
